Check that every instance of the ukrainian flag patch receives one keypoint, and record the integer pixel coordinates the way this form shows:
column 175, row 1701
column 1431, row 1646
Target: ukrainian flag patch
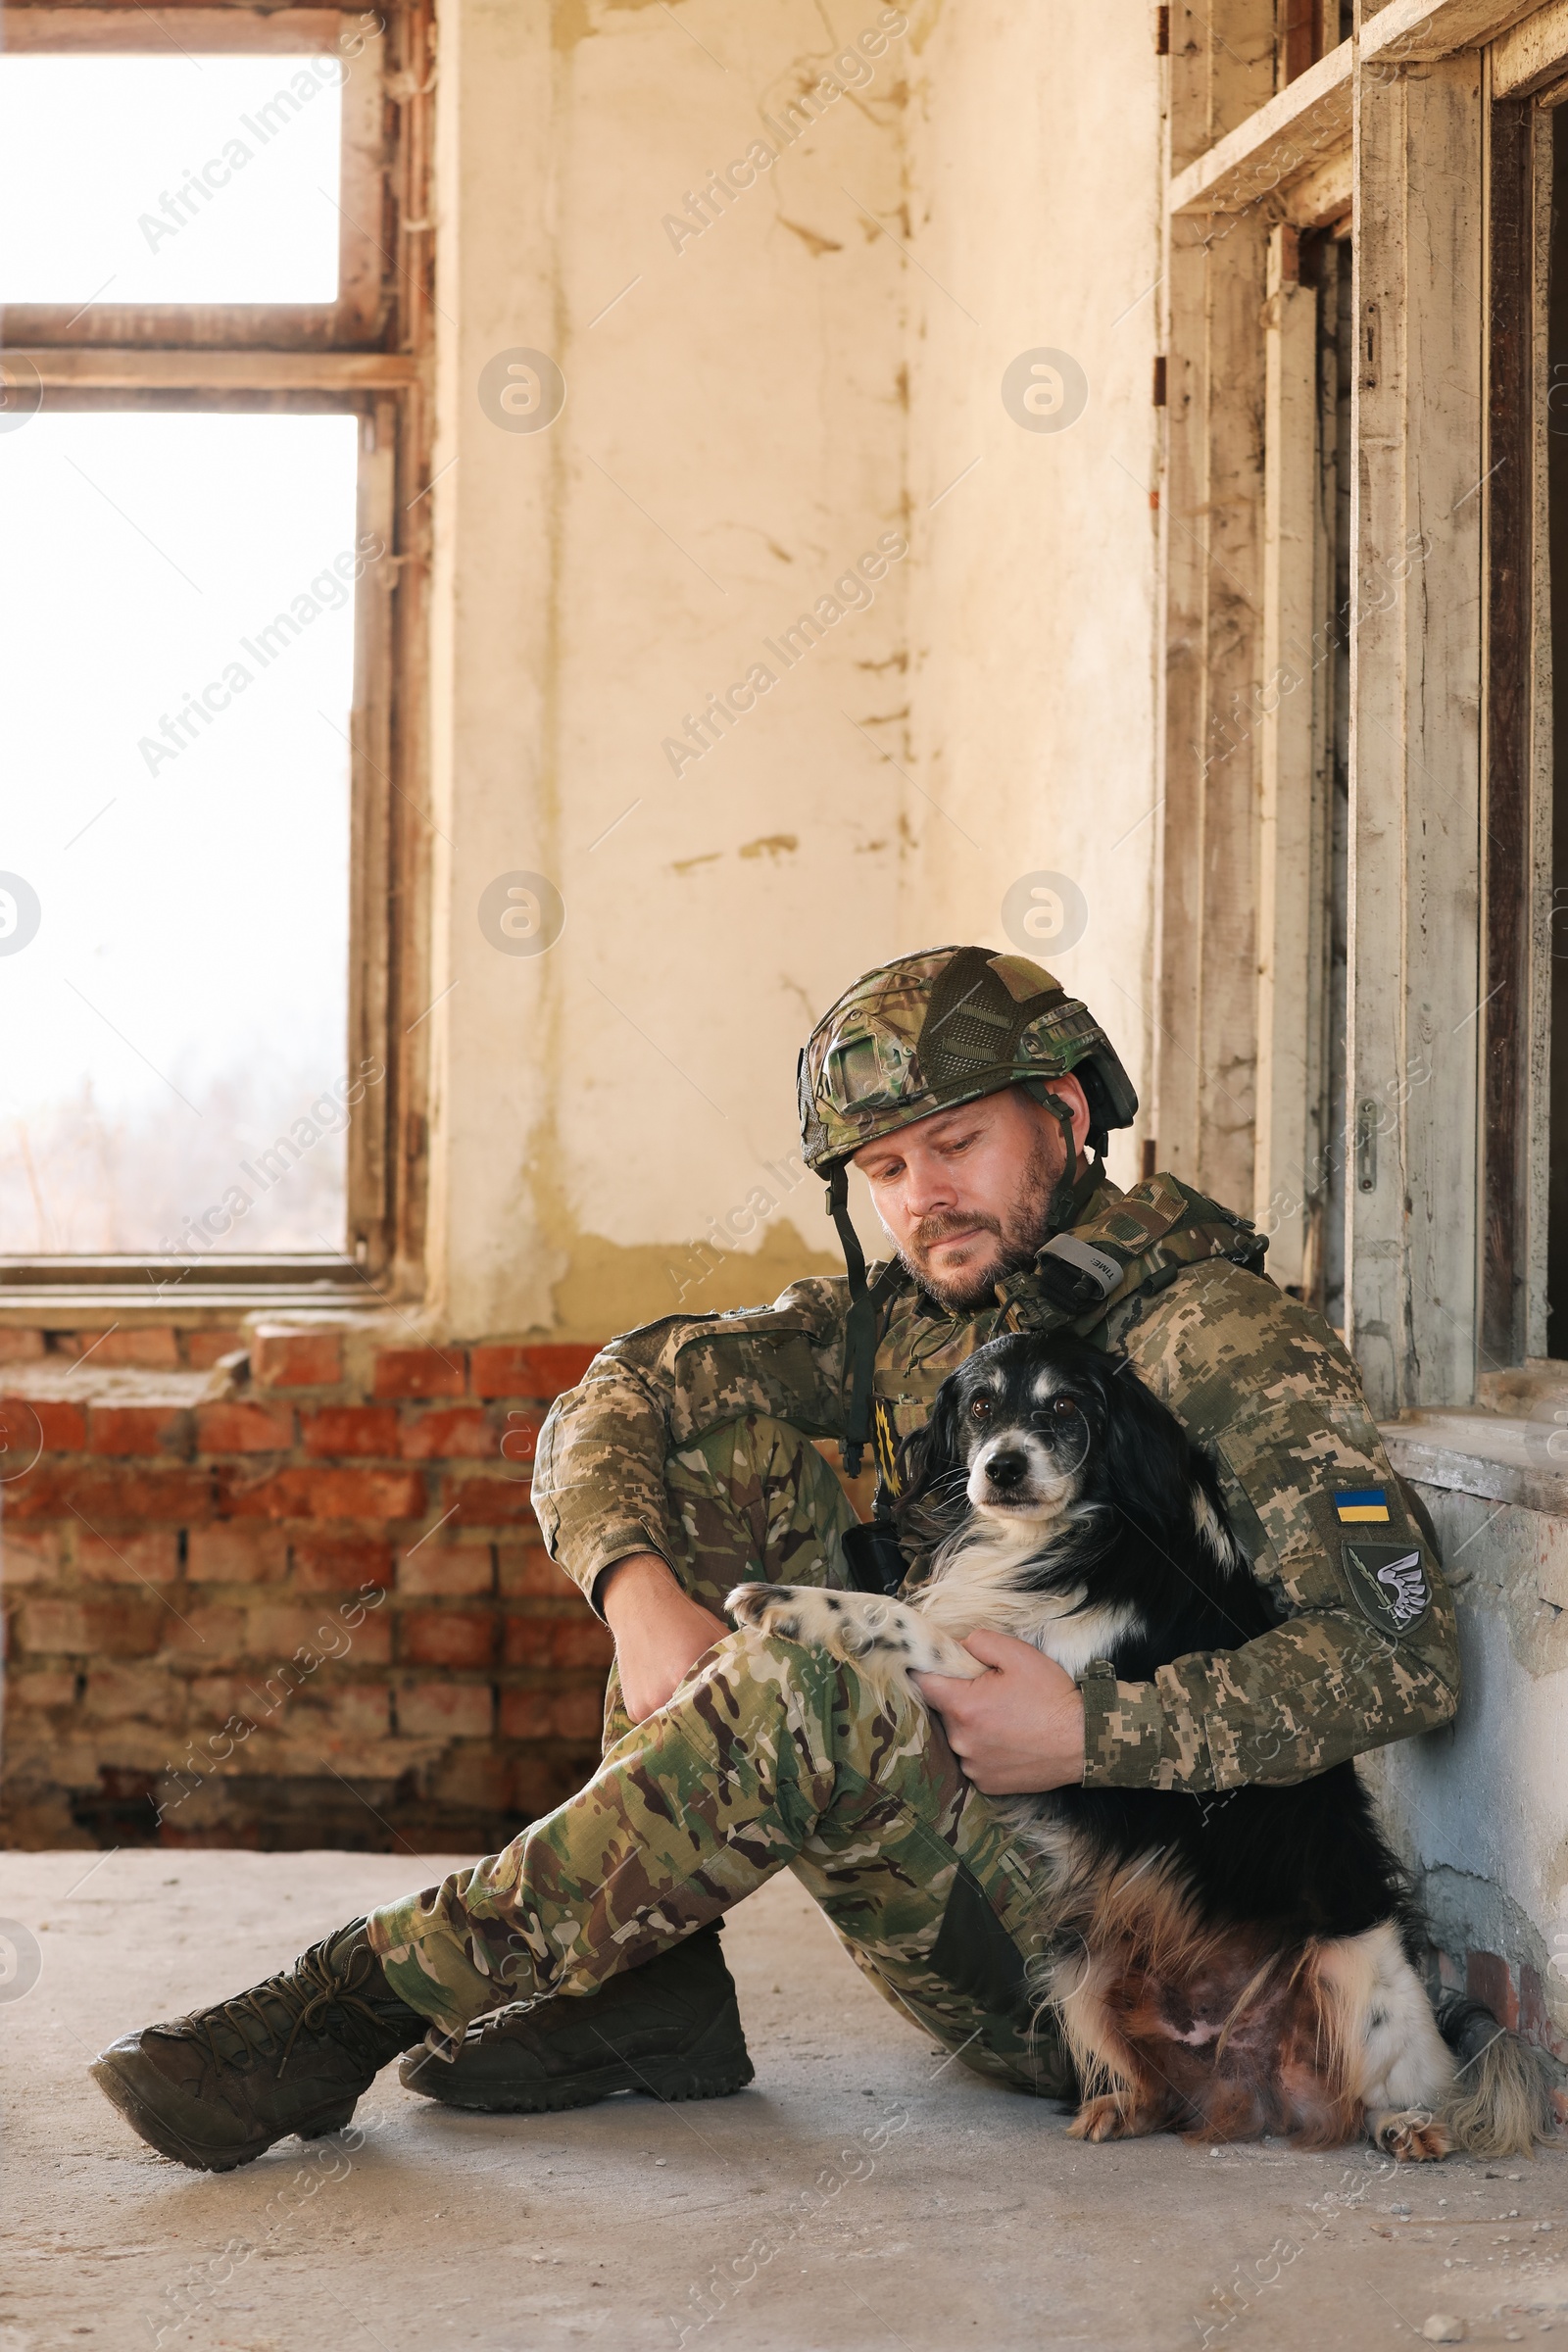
column 1363, row 1506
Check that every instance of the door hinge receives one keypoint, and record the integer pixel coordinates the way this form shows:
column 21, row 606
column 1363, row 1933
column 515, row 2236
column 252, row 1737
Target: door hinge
column 1366, row 1146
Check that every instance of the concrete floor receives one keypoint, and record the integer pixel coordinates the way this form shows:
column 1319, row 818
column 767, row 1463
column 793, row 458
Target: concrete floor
column 862, row 2193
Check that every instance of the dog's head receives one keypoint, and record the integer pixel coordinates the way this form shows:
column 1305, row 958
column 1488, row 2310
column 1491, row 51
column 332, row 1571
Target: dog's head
column 1081, row 1481
column 1030, row 1427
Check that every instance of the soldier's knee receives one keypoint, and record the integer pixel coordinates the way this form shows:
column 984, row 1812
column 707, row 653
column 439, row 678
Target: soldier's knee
column 774, row 1656
column 770, row 1662
column 811, row 1685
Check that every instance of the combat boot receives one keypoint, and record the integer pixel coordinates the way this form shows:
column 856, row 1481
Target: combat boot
column 671, row 2028
column 214, row 2089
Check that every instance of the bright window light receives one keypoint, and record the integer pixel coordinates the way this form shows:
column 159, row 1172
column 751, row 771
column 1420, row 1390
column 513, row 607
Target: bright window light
column 169, row 178
column 177, row 630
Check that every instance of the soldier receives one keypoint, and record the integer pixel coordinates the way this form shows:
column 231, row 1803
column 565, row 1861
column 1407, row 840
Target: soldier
column 976, row 1095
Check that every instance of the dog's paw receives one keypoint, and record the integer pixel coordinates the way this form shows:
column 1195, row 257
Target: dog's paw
column 1104, row 2118
column 1410, row 2136
column 806, row 1613
column 774, row 1610
column 888, row 1638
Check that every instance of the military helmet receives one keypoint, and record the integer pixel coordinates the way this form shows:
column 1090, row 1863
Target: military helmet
column 929, row 1031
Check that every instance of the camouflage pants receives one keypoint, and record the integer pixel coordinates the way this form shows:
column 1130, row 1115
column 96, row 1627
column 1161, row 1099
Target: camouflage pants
column 768, row 1756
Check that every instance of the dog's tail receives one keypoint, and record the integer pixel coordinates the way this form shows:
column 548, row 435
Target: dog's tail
column 1500, row 2103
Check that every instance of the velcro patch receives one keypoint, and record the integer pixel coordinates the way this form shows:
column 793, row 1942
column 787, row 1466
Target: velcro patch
column 1102, row 1269
column 1389, row 1582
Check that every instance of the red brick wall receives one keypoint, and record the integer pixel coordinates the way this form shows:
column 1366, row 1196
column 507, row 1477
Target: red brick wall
column 297, row 1598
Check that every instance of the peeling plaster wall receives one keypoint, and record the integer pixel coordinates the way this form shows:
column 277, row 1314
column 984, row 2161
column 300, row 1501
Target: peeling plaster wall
column 1034, row 150
column 736, row 435
column 1481, row 1808
column 732, row 442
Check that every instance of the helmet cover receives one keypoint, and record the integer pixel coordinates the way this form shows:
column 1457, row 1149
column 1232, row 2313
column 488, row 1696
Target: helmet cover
column 930, row 1031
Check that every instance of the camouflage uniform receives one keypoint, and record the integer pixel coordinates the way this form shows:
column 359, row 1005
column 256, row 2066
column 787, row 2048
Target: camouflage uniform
column 688, row 1439
column 768, row 1755
column 1252, row 1375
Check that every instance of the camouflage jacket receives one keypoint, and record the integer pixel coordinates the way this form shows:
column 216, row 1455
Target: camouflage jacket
column 1253, row 1376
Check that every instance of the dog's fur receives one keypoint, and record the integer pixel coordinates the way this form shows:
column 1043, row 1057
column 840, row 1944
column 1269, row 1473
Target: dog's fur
column 1219, row 1965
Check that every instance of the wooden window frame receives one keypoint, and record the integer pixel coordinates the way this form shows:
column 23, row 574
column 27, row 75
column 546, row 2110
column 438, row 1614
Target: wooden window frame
column 1447, row 1028
column 368, row 356
column 1528, row 85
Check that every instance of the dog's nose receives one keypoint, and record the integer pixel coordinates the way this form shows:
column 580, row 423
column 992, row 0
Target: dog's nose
column 1006, row 1471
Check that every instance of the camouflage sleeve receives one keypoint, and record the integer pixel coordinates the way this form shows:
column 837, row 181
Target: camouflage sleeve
column 599, row 1477
column 1369, row 1652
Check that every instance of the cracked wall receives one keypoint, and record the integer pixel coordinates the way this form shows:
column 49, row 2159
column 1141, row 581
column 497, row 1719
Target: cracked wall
column 713, row 655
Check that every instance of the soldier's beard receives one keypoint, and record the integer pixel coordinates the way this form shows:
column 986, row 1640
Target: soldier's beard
column 1018, row 1233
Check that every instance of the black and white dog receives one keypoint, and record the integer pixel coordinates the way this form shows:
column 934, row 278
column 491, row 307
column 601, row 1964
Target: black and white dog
column 1223, row 1966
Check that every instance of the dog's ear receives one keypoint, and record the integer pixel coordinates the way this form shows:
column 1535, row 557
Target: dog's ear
column 928, row 1457
column 1147, row 1463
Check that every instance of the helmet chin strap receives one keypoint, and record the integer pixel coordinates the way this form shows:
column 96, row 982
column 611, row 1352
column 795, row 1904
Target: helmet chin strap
column 1076, row 1181
column 860, row 1331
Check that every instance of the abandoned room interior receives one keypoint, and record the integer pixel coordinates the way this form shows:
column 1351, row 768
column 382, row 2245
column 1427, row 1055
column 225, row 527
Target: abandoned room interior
column 544, row 538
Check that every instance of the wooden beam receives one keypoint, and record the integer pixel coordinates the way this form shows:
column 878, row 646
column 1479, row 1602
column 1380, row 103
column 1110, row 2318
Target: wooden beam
column 1284, row 140
column 1418, row 31
column 1309, row 119
column 82, row 368
column 1221, row 75
column 190, row 30
column 1324, row 194
column 1534, row 53
column 1212, row 513
column 1412, row 1226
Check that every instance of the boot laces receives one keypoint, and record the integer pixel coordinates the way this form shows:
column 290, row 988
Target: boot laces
column 309, row 1992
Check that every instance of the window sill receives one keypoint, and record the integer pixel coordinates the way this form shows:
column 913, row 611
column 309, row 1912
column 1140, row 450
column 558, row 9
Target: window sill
column 107, row 368
column 61, row 1293
column 1501, row 1457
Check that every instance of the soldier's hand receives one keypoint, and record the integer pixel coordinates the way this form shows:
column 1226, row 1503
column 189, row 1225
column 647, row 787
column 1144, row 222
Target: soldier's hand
column 1018, row 1729
column 659, row 1631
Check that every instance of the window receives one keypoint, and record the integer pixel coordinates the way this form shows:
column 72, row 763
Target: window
column 216, row 281
column 256, row 219
column 175, row 684
column 203, row 176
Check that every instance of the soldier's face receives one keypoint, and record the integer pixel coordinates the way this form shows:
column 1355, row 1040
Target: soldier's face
column 964, row 1196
